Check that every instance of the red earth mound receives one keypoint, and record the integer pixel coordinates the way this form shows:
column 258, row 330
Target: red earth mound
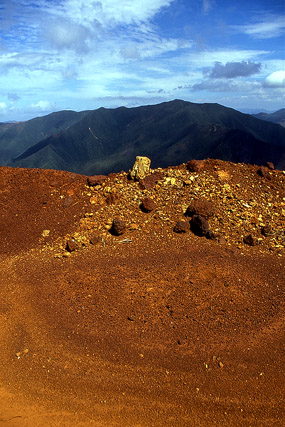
column 155, row 325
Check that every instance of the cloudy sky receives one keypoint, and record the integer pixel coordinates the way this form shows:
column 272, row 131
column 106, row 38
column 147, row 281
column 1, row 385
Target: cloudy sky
column 84, row 54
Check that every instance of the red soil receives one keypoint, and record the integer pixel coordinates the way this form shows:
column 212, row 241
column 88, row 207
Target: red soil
column 151, row 327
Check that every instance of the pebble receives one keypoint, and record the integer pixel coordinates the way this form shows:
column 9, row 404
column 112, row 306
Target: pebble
column 71, row 245
column 181, row 227
column 147, row 205
column 118, row 227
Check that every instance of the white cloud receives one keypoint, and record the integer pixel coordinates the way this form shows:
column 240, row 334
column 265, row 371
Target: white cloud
column 43, row 105
column 3, row 106
column 275, row 80
column 67, row 53
column 206, row 6
column 15, row 59
column 63, row 34
column 207, row 58
column 109, row 13
column 270, row 27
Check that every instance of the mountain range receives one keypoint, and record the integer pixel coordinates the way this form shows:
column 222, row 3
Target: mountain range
column 277, row 117
column 108, row 140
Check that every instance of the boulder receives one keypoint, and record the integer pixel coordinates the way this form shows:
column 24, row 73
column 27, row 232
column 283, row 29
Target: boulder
column 95, row 239
column 270, row 165
column 211, row 235
column 201, row 207
column 113, row 198
column 195, row 165
column 147, row 205
column 118, row 227
column 96, row 180
column 250, row 240
column 141, row 168
column 266, row 230
column 263, row 172
column 71, row 245
column 149, row 181
column 199, row 225
column 181, row 227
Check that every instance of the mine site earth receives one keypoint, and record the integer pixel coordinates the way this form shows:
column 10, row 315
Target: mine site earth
column 139, row 301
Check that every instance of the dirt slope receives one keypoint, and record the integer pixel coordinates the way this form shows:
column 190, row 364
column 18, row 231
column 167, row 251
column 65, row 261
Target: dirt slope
column 151, row 327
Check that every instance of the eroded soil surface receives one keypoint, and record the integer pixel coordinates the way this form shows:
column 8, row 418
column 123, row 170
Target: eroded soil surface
column 150, row 327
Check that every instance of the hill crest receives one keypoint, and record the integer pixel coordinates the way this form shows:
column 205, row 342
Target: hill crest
column 107, row 140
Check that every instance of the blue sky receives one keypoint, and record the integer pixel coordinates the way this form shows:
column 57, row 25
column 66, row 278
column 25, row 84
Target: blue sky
column 84, row 54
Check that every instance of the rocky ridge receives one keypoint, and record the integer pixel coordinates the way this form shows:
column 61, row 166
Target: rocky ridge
column 242, row 206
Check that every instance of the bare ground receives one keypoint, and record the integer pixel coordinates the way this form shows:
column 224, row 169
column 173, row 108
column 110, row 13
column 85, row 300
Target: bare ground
column 149, row 328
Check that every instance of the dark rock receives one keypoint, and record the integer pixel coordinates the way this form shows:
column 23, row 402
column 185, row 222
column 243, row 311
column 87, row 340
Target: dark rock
column 112, row 198
column 266, row 230
column 263, row 172
column 195, row 165
column 147, row 205
column 71, row 245
column 199, row 225
column 95, row 239
column 96, row 180
column 118, row 227
column 201, row 207
column 149, row 181
column 181, row 227
column 270, row 165
column 211, row 235
column 249, row 240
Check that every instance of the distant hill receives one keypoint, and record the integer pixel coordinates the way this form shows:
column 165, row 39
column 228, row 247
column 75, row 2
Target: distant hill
column 108, row 140
column 277, row 117
column 17, row 137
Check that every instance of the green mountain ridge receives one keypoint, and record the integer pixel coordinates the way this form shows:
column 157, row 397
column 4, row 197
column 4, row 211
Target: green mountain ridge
column 15, row 138
column 108, row 140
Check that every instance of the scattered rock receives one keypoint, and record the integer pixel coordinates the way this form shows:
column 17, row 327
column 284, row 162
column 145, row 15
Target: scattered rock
column 222, row 240
column 133, row 226
column 266, row 230
column 270, row 165
column 113, row 198
column 201, row 207
column 195, row 165
column 211, row 235
column 71, row 245
column 147, row 205
column 181, row 227
column 140, row 168
column 93, row 200
column 149, row 181
column 118, row 227
column 95, row 239
column 67, row 202
column 263, row 172
column 199, row 225
column 96, row 180
column 250, row 240
column 45, row 233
